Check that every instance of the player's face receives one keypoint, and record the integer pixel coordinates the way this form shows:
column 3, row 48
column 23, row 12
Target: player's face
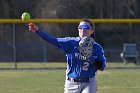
column 85, row 29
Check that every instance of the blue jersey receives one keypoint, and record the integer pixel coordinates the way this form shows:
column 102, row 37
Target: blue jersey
column 77, row 67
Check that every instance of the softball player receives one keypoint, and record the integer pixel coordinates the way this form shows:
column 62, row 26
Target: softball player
column 84, row 57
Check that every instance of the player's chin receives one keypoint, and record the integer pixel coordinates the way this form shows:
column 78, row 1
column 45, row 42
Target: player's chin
column 85, row 35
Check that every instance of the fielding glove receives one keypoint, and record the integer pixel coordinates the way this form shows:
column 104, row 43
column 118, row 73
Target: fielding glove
column 97, row 64
column 86, row 47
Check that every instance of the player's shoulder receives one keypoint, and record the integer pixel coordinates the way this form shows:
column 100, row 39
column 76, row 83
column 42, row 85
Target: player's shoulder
column 69, row 39
column 97, row 45
column 73, row 38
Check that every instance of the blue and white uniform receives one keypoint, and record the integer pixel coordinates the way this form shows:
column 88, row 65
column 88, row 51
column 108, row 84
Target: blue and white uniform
column 77, row 67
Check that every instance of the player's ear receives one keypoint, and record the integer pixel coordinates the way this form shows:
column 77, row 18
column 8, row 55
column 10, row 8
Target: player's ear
column 93, row 35
column 92, row 32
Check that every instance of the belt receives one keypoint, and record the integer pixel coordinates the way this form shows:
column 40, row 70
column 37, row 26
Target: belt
column 79, row 79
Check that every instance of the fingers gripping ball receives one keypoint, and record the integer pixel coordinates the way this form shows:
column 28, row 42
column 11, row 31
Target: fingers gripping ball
column 25, row 16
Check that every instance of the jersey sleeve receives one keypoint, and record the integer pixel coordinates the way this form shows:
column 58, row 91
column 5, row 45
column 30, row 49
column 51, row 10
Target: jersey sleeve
column 101, row 57
column 61, row 43
column 48, row 38
column 65, row 44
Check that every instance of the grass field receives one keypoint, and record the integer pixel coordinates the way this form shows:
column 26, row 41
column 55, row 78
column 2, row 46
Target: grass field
column 22, row 65
column 52, row 81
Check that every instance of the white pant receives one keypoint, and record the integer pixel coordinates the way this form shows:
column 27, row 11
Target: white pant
column 80, row 87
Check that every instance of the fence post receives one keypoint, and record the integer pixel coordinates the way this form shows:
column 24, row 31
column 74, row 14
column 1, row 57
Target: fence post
column 44, row 53
column 14, row 46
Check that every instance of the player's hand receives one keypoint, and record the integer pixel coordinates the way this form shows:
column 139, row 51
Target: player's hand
column 32, row 27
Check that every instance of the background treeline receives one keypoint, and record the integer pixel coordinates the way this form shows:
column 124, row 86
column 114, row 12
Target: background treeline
column 110, row 36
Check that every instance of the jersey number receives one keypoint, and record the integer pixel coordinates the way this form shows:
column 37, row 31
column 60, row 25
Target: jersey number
column 85, row 66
